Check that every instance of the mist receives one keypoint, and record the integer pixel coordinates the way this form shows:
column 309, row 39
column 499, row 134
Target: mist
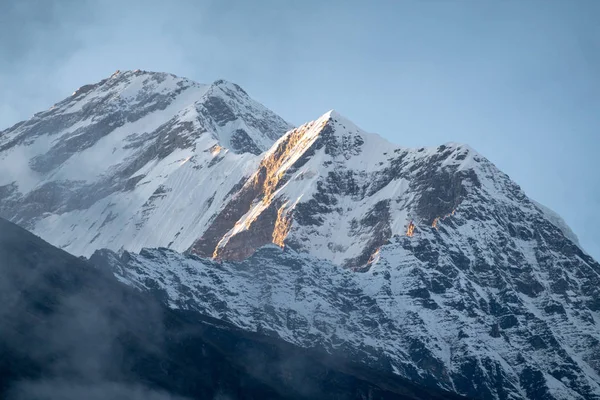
column 65, row 326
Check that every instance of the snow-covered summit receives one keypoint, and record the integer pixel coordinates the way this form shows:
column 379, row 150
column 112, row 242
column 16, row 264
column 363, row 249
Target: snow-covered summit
column 337, row 192
column 91, row 171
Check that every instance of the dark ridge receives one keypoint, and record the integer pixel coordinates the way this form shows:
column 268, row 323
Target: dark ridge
column 69, row 330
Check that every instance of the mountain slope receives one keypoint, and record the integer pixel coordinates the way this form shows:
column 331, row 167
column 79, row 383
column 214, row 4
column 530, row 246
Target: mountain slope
column 463, row 274
column 428, row 263
column 108, row 165
column 70, row 331
column 423, row 311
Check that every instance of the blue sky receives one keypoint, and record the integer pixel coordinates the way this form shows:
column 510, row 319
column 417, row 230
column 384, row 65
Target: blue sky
column 517, row 80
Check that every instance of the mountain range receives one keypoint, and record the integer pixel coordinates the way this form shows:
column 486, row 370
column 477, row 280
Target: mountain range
column 427, row 264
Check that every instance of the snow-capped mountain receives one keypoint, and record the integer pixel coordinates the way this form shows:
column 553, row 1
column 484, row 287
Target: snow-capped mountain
column 339, row 193
column 429, row 263
column 138, row 159
column 466, row 283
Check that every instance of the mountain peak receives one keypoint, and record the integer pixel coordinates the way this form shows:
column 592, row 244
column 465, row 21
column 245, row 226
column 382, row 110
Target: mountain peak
column 135, row 131
column 331, row 114
column 331, row 189
column 335, row 117
column 131, row 89
column 129, row 84
column 228, row 85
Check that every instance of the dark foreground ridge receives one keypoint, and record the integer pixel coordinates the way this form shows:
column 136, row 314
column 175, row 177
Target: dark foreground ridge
column 71, row 331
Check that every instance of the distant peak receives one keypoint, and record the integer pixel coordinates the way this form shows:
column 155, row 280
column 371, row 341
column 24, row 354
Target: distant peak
column 120, row 75
column 222, row 83
column 339, row 119
column 344, row 125
column 151, row 78
column 333, row 114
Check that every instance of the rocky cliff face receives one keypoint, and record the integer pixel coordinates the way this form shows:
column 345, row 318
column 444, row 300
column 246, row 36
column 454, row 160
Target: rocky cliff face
column 427, row 263
column 467, row 306
column 332, row 190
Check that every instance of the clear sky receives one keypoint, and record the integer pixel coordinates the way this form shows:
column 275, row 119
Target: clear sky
column 518, row 80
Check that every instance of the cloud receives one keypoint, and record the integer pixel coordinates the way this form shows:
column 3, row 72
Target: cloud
column 64, row 326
